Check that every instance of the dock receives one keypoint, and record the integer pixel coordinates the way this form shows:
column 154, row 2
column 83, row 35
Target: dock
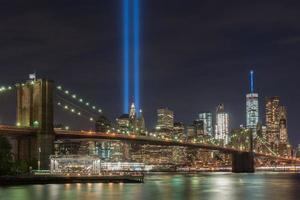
column 54, row 179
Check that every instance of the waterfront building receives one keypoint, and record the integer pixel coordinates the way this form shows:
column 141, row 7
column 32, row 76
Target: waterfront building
column 206, row 118
column 222, row 125
column 252, row 109
column 122, row 166
column 74, row 164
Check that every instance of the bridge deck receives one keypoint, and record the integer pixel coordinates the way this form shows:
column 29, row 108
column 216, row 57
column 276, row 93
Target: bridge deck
column 64, row 135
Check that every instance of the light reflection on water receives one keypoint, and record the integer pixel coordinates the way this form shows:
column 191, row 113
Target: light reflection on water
column 223, row 186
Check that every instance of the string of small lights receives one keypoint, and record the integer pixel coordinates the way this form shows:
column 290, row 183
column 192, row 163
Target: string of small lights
column 79, row 99
column 74, row 111
column 4, row 89
column 76, row 106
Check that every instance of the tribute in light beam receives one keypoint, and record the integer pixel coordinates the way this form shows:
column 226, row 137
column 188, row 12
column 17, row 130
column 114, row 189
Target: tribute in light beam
column 136, row 53
column 126, row 55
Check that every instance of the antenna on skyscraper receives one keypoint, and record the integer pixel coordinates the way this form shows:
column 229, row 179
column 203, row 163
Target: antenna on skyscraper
column 251, row 81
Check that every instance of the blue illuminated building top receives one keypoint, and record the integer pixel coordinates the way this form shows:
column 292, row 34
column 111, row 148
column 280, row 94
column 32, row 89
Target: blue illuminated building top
column 252, row 81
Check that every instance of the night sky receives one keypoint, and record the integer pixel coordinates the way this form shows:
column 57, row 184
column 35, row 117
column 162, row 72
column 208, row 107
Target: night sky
column 194, row 54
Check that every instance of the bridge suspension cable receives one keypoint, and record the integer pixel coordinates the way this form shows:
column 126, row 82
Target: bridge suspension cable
column 265, row 144
column 79, row 99
column 74, row 111
column 78, row 107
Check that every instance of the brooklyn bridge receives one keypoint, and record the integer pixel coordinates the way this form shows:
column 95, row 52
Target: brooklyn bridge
column 33, row 137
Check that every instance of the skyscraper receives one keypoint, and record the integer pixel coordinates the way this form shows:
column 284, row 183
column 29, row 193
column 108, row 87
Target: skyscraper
column 179, row 131
column 132, row 123
column 272, row 119
column 283, row 135
column 252, row 110
column 165, row 119
column 141, row 123
column 206, row 117
column 132, row 113
column 222, row 123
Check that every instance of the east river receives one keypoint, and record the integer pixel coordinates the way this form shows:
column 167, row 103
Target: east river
column 219, row 186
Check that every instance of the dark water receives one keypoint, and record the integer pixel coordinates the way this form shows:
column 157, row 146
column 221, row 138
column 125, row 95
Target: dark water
column 220, row 186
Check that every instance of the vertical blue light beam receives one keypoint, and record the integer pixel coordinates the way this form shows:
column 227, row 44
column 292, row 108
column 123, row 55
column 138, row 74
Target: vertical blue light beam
column 126, row 55
column 252, row 81
column 136, row 27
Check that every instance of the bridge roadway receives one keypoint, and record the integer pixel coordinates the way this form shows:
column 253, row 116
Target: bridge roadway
column 68, row 134
column 17, row 131
column 62, row 134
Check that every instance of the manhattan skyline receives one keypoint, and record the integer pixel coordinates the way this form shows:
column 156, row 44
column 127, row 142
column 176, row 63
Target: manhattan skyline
column 191, row 60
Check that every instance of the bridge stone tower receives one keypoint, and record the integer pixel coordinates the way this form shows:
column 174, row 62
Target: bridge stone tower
column 35, row 110
column 243, row 162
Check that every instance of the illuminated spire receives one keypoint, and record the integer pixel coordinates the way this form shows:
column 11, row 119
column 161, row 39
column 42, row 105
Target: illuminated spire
column 251, row 81
column 132, row 111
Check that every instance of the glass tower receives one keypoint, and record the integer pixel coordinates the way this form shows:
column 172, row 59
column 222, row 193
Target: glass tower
column 206, row 118
column 252, row 110
column 222, row 125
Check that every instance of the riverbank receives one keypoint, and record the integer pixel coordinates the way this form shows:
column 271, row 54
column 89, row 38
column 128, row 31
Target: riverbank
column 32, row 180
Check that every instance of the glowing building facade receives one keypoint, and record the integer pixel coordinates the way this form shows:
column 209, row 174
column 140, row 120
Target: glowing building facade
column 252, row 109
column 222, row 125
column 272, row 119
column 131, row 123
column 252, row 112
column 206, row 118
column 283, row 134
column 165, row 119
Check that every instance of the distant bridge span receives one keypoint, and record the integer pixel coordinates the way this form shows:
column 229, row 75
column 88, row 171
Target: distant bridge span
column 62, row 134
column 65, row 135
